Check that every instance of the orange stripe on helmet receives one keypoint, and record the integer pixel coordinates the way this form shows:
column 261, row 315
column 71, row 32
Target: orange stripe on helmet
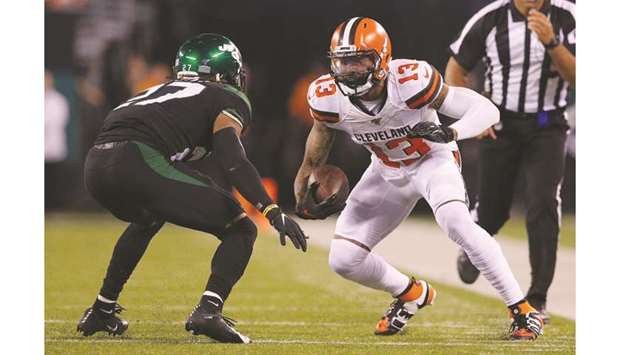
column 370, row 35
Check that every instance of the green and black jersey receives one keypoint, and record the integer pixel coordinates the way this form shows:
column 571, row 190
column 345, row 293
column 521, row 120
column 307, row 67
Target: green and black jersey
column 176, row 116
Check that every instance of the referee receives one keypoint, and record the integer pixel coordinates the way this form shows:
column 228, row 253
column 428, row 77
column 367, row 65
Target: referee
column 528, row 47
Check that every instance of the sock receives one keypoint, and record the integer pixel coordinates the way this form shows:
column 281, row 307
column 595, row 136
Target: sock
column 521, row 307
column 127, row 253
column 483, row 250
column 212, row 302
column 414, row 292
column 231, row 257
column 104, row 305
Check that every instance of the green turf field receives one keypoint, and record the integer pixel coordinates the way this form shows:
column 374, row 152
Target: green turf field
column 287, row 302
column 515, row 228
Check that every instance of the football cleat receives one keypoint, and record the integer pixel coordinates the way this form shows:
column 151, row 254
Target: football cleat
column 527, row 323
column 97, row 320
column 215, row 326
column 467, row 271
column 419, row 295
column 542, row 309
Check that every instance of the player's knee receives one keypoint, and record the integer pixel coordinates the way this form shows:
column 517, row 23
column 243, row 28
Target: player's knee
column 145, row 230
column 344, row 257
column 244, row 229
column 542, row 208
column 455, row 220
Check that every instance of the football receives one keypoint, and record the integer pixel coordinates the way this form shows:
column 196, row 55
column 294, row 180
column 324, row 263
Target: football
column 332, row 180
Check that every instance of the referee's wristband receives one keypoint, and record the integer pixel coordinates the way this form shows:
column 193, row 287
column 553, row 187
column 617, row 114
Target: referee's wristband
column 552, row 44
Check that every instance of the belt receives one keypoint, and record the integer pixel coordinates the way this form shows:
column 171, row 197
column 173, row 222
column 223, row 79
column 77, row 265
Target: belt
column 527, row 115
column 109, row 145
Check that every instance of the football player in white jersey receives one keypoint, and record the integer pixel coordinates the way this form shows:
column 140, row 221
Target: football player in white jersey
column 390, row 107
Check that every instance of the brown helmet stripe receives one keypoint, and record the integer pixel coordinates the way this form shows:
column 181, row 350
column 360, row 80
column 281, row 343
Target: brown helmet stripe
column 341, row 32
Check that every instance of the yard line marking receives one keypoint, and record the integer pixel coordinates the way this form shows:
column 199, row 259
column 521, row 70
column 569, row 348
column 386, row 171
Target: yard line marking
column 280, row 323
column 498, row 343
column 189, row 307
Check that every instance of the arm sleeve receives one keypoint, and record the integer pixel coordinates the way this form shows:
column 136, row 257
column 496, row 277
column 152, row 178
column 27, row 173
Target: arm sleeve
column 243, row 175
column 474, row 112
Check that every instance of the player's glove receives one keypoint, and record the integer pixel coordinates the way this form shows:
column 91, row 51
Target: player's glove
column 432, row 132
column 286, row 226
column 308, row 208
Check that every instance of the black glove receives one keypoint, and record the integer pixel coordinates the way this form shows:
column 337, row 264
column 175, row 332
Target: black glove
column 308, row 208
column 287, row 227
column 432, row 132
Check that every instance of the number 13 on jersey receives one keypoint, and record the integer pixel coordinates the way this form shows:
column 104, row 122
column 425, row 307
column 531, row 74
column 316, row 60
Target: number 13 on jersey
column 409, row 146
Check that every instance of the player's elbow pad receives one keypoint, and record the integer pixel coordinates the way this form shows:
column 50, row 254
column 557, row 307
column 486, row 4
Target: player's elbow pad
column 474, row 111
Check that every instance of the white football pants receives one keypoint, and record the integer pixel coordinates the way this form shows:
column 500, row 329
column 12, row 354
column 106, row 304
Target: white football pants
column 382, row 199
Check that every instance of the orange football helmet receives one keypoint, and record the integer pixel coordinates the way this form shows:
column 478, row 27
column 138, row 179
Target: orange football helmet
column 360, row 53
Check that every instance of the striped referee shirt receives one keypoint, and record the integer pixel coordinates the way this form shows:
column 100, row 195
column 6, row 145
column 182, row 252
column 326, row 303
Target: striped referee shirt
column 520, row 76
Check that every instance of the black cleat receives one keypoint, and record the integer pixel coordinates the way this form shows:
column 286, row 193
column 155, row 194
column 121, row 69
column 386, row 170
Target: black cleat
column 94, row 321
column 467, row 271
column 215, row 326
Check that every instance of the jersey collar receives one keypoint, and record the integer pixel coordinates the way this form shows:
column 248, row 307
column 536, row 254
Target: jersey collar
column 360, row 106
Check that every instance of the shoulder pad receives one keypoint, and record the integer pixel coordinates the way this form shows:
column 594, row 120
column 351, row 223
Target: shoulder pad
column 239, row 94
column 323, row 99
column 418, row 83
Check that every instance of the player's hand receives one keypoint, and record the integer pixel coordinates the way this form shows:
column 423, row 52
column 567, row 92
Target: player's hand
column 538, row 23
column 433, row 132
column 308, row 208
column 287, row 227
column 489, row 132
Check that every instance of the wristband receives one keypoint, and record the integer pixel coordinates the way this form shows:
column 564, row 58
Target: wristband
column 552, row 44
column 269, row 208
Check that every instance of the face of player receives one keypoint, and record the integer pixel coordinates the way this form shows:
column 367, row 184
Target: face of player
column 353, row 71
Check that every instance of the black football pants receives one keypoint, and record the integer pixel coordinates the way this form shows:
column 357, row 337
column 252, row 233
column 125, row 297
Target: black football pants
column 539, row 151
column 137, row 184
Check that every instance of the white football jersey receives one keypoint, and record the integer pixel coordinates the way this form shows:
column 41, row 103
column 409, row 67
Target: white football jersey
column 411, row 86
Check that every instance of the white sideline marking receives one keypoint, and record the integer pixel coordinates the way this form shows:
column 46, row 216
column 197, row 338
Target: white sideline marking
column 498, row 343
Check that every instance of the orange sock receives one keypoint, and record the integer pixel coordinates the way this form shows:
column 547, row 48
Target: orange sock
column 413, row 293
column 523, row 307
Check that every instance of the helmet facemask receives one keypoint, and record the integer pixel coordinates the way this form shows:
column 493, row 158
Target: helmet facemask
column 355, row 72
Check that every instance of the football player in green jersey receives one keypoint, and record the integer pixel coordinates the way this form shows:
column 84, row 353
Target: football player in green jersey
column 140, row 170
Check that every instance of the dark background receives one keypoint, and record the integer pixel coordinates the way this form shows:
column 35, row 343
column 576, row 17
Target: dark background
column 101, row 52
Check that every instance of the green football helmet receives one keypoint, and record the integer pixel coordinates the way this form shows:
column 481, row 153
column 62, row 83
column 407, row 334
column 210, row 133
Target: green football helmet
column 211, row 57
